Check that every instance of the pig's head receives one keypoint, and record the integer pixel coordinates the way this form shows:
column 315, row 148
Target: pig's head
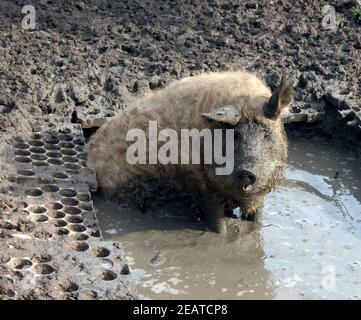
column 260, row 146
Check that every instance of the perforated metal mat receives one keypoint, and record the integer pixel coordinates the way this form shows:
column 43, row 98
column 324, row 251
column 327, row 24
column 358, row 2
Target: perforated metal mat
column 50, row 243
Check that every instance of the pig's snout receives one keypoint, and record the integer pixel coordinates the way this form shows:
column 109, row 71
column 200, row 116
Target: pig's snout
column 246, row 179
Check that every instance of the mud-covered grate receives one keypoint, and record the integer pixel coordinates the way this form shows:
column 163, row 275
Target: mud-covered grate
column 308, row 115
column 347, row 108
column 54, row 156
column 63, row 270
column 353, row 114
column 52, row 211
column 51, row 246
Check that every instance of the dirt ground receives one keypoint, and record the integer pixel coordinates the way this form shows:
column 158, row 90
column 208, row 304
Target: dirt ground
column 91, row 56
column 88, row 58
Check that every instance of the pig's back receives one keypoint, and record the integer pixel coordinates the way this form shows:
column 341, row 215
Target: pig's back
column 180, row 104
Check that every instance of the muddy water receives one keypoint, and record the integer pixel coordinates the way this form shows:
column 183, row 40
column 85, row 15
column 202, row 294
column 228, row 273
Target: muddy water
column 308, row 247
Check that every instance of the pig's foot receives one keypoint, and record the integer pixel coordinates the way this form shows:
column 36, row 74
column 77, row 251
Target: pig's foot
column 254, row 215
column 215, row 220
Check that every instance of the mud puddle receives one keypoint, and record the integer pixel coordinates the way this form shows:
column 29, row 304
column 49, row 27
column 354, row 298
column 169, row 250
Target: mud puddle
column 307, row 248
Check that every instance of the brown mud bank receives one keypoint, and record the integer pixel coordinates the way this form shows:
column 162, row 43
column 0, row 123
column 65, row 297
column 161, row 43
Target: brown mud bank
column 85, row 60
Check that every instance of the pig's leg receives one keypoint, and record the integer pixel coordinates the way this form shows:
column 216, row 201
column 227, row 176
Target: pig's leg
column 258, row 215
column 254, row 213
column 214, row 216
column 254, row 216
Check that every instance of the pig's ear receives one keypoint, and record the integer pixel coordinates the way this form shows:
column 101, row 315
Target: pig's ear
column 227, row 114
column 277, row 105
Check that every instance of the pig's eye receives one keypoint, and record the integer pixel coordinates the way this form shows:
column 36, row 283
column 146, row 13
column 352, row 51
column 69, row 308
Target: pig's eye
column 267, row 134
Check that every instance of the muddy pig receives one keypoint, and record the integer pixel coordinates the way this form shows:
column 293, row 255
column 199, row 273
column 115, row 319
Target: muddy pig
column 230, row 100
